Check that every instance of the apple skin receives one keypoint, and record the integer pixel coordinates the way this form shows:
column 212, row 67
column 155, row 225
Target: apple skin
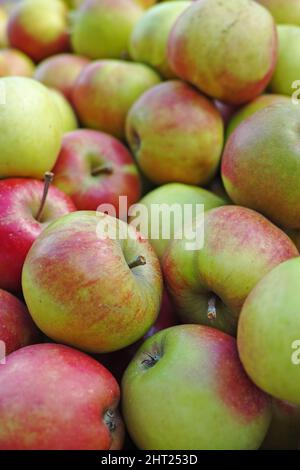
column 176, row 134
column 60, row 72
column 67, row 114
column 84, row 292
column 269, row 324
column 174, row 193
column 3, row 25
column 211, row 404
column 260, row 164
column 284, row 430
column 149, row 38
column 214, row 47
column 85, row 149
column 287, row 68
column 283, row 11
column 14, row 62
column 53, row 397
column 235, row 240
column 39, row 28
column 256, row 105
column 101, row 28
column 16, row 326
column 30, row 109
column 105, row 91
column 19, row 203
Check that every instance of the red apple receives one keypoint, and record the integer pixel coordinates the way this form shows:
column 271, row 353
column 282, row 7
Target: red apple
column 20, row 203
column 53, row 397
column 39, row 28
column 94, row 168
column 60, row 71
column 14, row 62
column 16, row 326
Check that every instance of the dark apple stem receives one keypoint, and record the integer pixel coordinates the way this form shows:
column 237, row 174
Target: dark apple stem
column 211, row 310
column 139, row 261
column 102, row 169
column 48, row 178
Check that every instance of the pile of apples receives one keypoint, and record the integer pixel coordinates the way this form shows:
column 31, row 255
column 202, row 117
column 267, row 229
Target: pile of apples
column 171, row 102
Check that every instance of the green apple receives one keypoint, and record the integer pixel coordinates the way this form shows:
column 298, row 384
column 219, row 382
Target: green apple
column 149, row 39
column 210, row 284
column 269, row 332
column 102, row 28
column 287, row 69
column 68, row 117
column 31, row 128
column 170, row 194
column 283, row 11
column 186, row 389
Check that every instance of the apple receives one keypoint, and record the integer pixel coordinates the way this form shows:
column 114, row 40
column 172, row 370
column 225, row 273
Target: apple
column 283, row 11
column 3, row 24
column 260, row 165
column 176, row 134
column 105, row 91
column 94, row 168
column 16, row 326
column 214, row 46
column 149, row 38
column 39, row 28
column 14, row 62
column 27, row 206
column 93, row 282
column 186, row 389
column 101, row 28
column 268, row 332
column 60, row 72
column 31, row 128
column 249, row 109
column 209, row 285
column 53, row 397
column 287, row 69
column 67, row 114
column 170, row 194
column 284, row 430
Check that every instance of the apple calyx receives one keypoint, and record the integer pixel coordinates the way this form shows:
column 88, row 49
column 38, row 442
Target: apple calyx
column 110, row 419
column 48, row 178
column 211, row 309
column 139, row 261
column 105, row 168
column 151, row 360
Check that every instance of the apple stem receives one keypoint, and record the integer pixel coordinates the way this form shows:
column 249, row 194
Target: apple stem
column 211, row 310
column 151, row 360
column 102, row 169
column 48, row 178
column 139, row 261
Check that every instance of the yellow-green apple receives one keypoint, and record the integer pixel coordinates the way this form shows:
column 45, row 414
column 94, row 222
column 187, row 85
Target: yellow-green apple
column 31, row 128
column 176, row 134
column 16, row 326
column 209, row 285
column 39, row 28
column 145, row 3
column 75, row 266
column 67, row 114
column 105, row 91
column 284, row 430
column 101, row 28
column 149, row 39
column 14, row 62
column 53, row 397
column 60, row 72
column 27, row 206
column 268, row 332
column 256, row 105
column 95, row 168
column 287, row 69
column 3, row 25
column 283, row 11
column 214, row 45
column 186, row 389
column 260, row 165
column 172, row 195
